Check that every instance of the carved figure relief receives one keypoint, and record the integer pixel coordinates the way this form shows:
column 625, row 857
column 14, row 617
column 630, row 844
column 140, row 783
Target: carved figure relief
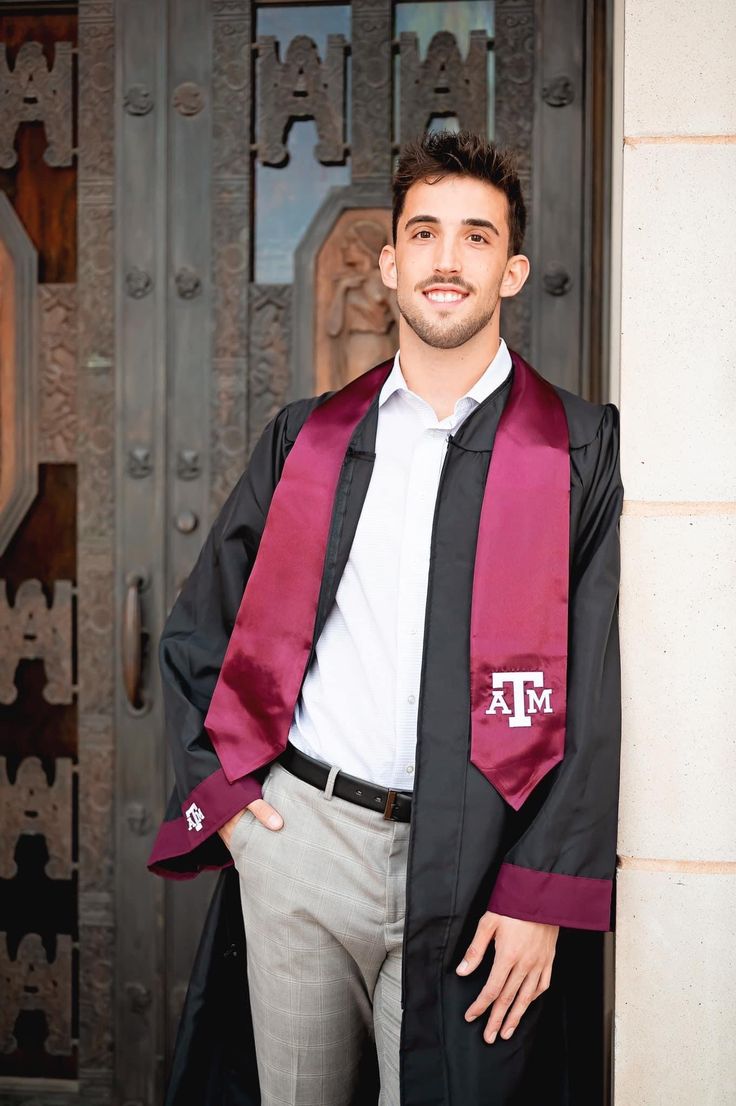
column 357, row 316
column 301, row 87
column 34, row 92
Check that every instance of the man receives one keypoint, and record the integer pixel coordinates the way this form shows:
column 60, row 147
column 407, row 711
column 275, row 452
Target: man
column 405, row 729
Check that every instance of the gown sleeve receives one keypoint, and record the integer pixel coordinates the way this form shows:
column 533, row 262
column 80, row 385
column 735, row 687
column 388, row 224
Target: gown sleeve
column 561, row 869
column 191, row 651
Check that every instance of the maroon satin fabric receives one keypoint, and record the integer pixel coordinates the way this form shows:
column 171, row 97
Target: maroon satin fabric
column 519, row 615
column 519, row 602
column 253, row 703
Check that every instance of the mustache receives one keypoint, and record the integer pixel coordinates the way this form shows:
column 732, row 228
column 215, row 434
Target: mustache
column 457, row 282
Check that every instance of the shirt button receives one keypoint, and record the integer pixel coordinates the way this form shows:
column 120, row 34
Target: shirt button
column 410, row 769
column 411, row 699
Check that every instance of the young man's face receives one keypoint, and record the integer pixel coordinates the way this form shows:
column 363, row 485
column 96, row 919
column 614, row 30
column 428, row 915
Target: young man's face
column 450, row 263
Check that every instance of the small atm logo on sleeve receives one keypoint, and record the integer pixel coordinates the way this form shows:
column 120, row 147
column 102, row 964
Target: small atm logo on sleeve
column 195, row 817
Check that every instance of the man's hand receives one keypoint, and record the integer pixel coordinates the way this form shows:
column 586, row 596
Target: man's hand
column 263, row 811
column 522, row 969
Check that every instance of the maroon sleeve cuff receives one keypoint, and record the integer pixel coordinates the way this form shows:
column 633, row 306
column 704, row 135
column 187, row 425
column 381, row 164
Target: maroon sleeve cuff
column 178, row 851
column 577, row 902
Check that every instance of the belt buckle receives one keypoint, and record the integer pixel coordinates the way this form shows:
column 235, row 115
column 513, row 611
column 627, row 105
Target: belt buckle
column 390, row 804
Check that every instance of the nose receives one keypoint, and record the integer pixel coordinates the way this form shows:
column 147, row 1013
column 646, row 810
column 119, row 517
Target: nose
column 446, row 257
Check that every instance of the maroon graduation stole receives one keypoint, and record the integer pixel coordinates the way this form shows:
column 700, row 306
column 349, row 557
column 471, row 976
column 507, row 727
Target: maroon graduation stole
column 518, row 620
column 518, row 635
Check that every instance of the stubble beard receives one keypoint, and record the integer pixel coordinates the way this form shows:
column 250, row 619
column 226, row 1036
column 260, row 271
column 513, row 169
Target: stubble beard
column 446, row 333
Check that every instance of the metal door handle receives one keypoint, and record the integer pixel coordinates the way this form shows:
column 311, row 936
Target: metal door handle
column 132, row 644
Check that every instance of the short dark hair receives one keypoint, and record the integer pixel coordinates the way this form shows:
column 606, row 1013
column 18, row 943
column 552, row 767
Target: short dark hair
column 462, row 153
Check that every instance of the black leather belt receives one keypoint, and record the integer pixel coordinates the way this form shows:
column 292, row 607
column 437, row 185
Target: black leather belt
column 394, row 805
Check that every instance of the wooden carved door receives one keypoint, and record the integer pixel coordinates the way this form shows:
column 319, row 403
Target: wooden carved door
column 194, row 194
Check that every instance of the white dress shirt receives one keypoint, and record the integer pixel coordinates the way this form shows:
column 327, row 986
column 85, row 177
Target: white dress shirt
column 359, row 702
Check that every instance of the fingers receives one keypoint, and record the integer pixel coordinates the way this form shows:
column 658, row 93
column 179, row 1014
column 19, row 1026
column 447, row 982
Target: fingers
column 522, row 970
column 261, row 810
column 266, row 814
column 477, row 948
column 511, row 999
column 225, row 831
column 499, row 978
column 529, row 990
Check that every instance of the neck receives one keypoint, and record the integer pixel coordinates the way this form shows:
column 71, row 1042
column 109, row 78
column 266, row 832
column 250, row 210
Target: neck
column 442, row 376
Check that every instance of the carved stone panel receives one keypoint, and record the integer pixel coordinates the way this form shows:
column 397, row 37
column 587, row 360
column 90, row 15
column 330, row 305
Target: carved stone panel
column 515, row 52
column 357, row 316
column 443, row 84
column 371, row 60
column 33, row 805
column 30, row 982
column 58, row 376
column 98, row 126
column 231, row 138
column 96, row 960
column 30, row 629
column 303, row 86
column 515, row 63
column 270, row 348
column 34, row 92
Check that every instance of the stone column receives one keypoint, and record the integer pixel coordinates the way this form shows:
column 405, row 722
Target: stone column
column 675, row 1026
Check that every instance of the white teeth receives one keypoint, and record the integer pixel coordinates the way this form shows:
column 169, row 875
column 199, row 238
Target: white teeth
column 444, row 297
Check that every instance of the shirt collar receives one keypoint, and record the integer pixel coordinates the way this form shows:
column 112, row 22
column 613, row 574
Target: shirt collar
column 493, row 375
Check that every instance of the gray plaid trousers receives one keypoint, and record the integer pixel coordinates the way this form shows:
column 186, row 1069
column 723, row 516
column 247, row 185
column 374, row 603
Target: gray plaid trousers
column 323, row 905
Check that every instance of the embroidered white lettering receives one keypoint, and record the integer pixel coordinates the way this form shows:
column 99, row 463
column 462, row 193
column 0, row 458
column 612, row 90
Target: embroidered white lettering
column 537, row 701
column 195, row 817
column 498, row 701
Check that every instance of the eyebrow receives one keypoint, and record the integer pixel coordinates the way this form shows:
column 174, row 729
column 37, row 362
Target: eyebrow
column 465, row 222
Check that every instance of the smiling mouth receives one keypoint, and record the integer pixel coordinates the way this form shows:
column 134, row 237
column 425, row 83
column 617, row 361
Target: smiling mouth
column 445, row 298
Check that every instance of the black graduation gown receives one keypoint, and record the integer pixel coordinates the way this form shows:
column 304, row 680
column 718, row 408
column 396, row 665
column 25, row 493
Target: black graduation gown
column 462, row 831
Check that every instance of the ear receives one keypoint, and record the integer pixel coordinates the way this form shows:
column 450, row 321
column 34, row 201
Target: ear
column 515, row 275
column 387, row 265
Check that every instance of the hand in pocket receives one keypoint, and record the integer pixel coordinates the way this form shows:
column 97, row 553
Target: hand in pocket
column 263, row 811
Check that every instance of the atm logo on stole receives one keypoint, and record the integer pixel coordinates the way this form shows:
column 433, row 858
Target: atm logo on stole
column 195, row 817
column 535, row 701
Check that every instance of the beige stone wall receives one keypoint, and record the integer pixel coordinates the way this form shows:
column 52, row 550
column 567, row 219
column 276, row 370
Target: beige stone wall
column 675, row 1001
